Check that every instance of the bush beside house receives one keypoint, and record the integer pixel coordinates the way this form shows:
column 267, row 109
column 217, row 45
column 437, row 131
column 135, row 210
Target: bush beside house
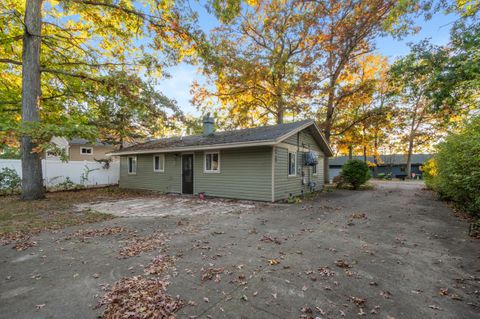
column 454, row 172
column 355, row 172
column 10, row 181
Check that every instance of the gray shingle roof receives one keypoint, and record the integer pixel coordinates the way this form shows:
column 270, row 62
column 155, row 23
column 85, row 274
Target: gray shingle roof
column 251, row 135
column 82, row 141
column 394, row 159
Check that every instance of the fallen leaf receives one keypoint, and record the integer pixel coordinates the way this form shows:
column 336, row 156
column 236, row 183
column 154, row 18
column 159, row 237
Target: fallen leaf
column 386, row 294
column 358, row 301
column 443, row 291
column 434, row 307
column 210, row 273
column 342, row 264
column 270, row 239
column 273, row 262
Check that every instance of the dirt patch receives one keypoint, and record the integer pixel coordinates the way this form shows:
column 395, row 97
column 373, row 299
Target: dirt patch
column 19, row 218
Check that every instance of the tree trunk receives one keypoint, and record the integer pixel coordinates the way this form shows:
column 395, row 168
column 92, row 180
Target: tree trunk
column 364, row 144
column 350, row 152
column 32, row 180
column 375, row 154
column 409, row 157
column 280, row 116
column 328, row 128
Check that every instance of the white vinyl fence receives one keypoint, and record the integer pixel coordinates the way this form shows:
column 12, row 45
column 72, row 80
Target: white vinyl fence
column 80, row 172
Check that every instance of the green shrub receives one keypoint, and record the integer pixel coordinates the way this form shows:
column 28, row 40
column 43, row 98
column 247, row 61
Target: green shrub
column 355, row 172
column 454, row 171
column 66, row 185
column 10, row 181
column 429, row 172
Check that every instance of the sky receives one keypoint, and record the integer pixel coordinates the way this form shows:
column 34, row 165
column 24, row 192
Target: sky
column 177, row 87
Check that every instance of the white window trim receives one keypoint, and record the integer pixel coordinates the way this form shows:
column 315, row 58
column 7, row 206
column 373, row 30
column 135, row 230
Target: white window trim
column 205, row 162
column 162, row 160
column 288, row 161
column 89, row 148
column 128, row 165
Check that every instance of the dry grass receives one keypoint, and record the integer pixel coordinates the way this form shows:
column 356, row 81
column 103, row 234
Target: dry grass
column 56, row 211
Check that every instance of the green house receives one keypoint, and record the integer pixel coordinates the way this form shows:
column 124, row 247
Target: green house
column 266, row 163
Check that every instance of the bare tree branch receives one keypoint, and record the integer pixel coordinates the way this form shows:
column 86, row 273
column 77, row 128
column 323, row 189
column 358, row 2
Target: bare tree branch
column 10, row 61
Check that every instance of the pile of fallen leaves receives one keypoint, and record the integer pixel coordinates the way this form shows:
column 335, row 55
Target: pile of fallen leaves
column 23, row 245
column 85, row 234
column 20, row 240
column 9, row 238
column 139, row 297
column 159, row 264
column 137, row 245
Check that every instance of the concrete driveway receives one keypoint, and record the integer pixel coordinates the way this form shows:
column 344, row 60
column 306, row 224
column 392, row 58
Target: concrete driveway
column 392, row 252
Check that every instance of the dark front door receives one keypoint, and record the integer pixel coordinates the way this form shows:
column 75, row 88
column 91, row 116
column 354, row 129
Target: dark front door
column 187, row 174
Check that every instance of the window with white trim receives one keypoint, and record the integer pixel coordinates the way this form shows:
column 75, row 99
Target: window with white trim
column 159, row 163
column 132, row 165
column 292, row 163
column 212, row 162
column 314, row 169
column 86, row 150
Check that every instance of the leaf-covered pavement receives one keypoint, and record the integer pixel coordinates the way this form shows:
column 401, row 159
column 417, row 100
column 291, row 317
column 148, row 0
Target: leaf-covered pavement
column 394, row 252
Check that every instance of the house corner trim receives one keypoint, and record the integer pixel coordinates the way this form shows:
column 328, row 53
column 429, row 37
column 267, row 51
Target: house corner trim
column 273, row 174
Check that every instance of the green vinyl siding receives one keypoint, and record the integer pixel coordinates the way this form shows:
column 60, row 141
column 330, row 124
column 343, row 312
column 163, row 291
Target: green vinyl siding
column 145, row 178
column 245, row 173
column 284, row 184
column 305, row 140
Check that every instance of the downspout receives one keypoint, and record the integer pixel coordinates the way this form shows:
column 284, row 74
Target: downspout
column 273, row 174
